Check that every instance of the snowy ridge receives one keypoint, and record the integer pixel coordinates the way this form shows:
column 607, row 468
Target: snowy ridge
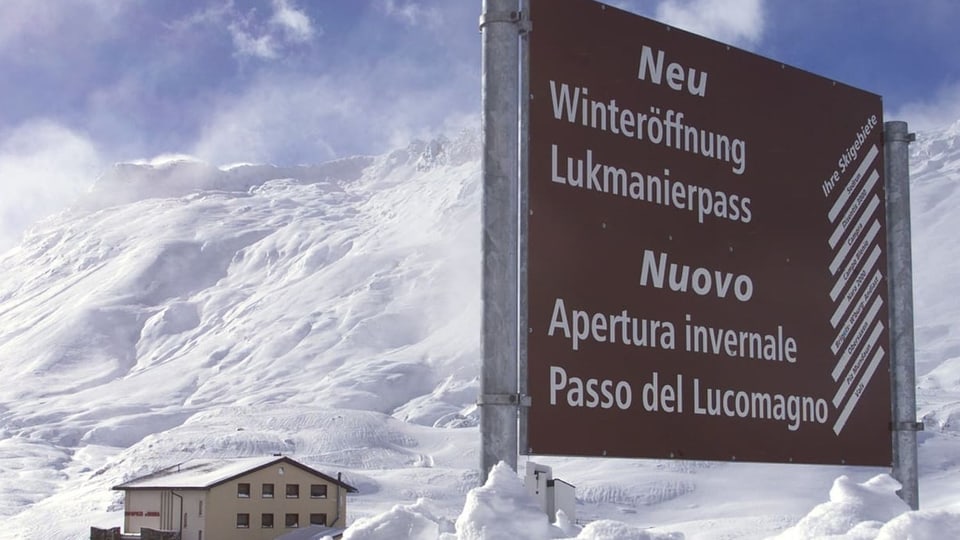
column 337, row 293
column 332, row 313
column 179, row 176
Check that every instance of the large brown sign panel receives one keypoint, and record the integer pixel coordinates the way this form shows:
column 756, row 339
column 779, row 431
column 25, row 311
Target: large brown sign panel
column 707, row 250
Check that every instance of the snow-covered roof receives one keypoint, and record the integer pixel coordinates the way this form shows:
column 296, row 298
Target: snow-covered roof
column 207, row 473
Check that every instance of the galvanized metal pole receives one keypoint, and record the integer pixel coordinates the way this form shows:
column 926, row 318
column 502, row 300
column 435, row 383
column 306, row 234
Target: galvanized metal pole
column 900, row 272
column 524, row 322
column 499, row 397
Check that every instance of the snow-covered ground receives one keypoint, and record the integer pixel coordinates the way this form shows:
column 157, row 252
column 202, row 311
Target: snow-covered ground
column 332, row 313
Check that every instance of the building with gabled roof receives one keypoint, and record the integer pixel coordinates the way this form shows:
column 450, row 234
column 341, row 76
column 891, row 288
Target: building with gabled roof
column 226, row 499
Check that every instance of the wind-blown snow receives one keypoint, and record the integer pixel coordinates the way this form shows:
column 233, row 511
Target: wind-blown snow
column 332, row 313
column 501, row 509
column 854, row 511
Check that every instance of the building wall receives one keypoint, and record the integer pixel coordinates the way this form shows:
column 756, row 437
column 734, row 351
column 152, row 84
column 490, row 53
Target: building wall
column 223, row 504
column 142, row 509
column 162, row 509
column 193, row 521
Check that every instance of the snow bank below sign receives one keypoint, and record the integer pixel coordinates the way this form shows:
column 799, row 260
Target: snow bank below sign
column 501, row 509
column 871, row 510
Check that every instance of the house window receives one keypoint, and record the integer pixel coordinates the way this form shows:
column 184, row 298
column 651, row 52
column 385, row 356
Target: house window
column 185, row 520
column 243, row 521
column 200, row 511
column 293, row 491
column 199, row 535
column 266, row 521
column 266, row 492
column 318, row 519
column 243, row 490
column 318, row 491
column 292, row 521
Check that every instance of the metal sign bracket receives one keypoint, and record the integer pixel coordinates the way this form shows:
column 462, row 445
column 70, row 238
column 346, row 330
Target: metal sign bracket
column 500, row 17
column 907, row 426
column 513, row 400
column 894, row 136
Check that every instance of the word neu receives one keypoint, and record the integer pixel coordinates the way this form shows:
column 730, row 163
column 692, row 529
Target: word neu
column 653, row 68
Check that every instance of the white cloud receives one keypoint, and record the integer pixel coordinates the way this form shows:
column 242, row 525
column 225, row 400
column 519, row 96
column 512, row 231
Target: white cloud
column 295, row 23
column 43, row 168
column 740, row 22
column 731, row 21
column 274, row 117
column 298, row 119
column 212, row 16
column 263, row 47
column 367, row 104
column 25, row 20
column 253, row 35
column 411, row 13
column 939, row 111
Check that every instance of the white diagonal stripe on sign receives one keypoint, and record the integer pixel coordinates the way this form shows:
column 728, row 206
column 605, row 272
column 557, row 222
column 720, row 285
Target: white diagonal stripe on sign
column 852, row 211
column 855, row 260
column 855, row 368
column 852, row 236
column 848, row 326
column 855, row 287
column 852, row 403
column 852, row 184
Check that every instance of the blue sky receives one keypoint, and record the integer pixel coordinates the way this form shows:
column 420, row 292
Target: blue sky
column 90, row 82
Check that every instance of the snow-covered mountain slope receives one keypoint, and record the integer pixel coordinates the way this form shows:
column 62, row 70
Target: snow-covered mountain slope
column 332, row 313
column 184, row 300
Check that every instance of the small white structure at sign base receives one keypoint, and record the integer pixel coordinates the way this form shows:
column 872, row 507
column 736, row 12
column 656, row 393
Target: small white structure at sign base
column 552, row 493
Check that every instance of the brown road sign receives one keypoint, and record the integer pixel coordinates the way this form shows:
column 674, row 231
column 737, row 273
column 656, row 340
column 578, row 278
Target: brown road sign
column 707, row 268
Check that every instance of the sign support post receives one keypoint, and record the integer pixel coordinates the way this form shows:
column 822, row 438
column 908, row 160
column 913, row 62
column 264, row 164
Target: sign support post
column 499, row 397
column 903, row 378
column 524, row 321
